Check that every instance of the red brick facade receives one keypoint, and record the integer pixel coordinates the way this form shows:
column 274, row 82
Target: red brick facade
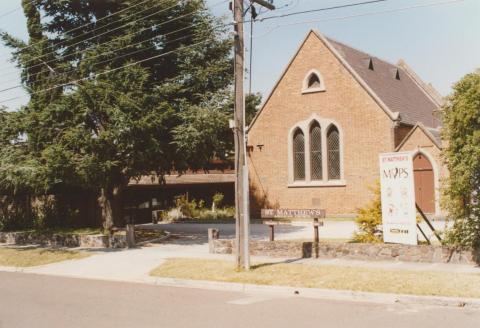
column 366, row 125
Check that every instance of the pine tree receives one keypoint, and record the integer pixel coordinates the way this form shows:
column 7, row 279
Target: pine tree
column 108, row 128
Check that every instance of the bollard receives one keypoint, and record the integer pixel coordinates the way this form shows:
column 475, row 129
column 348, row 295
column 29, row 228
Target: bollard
column 316, row 239
column 272, row 232
column 130, row 235
column 212, row 235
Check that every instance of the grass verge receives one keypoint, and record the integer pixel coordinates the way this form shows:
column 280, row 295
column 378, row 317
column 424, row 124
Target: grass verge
column 27, row 257
column 332, row 277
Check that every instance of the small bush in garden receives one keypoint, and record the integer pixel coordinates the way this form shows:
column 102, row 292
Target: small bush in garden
column 219, row 214
column 189, row 209
column 217, row 200
column 369, row 219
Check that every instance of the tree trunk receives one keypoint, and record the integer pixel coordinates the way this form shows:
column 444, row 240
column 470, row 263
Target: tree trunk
column 111, row 206
column 105, row 203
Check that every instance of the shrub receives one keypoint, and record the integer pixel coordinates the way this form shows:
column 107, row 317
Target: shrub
column 219, row 214
column 369, row 219
column 217, row 200
column 189, row 209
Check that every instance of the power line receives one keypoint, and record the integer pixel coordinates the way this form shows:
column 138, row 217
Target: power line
column 102, row 44
column 104, row 33
column 124, row 55
column 94, row 76
column 84, row 25
column 356, row 4
column 10, row 12
column 359, row 15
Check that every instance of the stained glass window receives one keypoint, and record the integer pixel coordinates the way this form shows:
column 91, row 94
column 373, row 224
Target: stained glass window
column 298, row 155
column 333, row 149
column 316, row 152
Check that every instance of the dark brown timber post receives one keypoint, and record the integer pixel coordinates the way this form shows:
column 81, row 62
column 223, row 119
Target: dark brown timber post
column 272, row 231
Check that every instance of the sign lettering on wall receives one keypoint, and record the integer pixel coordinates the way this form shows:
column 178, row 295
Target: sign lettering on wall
column 398, row 198
column 278, row 213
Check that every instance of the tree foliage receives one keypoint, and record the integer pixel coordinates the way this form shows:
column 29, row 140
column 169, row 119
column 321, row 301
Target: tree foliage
column 100, row 129
column 252, row 105
column 462, row 132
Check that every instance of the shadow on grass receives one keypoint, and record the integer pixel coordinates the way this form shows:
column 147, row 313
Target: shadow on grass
column 267, row 264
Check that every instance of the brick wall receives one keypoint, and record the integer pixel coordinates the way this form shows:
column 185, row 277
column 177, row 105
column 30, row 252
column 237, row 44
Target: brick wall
column 367, row 131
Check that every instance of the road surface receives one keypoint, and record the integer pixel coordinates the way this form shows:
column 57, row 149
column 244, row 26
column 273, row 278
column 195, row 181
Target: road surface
column 29, row 300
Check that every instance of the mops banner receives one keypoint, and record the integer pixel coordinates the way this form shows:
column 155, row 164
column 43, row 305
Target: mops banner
column 398, row 198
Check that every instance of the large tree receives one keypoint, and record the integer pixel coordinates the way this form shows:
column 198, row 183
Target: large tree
column 462, row 132
column 112, row 93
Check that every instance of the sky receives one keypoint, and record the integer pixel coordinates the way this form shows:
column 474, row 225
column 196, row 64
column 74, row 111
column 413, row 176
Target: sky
column 440, row 42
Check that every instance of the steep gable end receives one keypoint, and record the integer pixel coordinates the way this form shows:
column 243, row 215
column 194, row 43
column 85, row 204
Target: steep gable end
column 317, row 36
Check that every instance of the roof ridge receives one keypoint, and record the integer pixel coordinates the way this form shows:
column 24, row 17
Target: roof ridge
column 427, row 88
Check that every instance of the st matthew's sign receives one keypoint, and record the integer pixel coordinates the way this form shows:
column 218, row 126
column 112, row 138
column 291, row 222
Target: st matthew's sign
column 398, row 198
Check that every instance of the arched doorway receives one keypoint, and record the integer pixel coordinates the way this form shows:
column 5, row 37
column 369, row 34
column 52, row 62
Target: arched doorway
column 424, row 183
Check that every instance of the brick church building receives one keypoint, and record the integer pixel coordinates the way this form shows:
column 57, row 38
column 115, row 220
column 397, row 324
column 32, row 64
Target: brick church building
column 315, row 142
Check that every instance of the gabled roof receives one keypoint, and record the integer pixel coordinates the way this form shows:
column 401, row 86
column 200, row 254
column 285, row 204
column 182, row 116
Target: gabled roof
column 431, row 133
column 406, row 99
column 403, row 95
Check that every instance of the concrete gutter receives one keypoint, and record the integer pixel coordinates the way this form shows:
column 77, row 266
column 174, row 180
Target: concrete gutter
column 327, row 294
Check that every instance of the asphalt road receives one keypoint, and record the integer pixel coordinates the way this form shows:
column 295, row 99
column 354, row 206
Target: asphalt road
column 29, row 300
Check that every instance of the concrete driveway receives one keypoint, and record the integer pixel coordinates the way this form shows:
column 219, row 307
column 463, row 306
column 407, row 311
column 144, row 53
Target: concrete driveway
column 197, row 232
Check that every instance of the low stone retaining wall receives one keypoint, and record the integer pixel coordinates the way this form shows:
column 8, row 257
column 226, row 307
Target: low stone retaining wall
column 63, row 240
column 357, row 251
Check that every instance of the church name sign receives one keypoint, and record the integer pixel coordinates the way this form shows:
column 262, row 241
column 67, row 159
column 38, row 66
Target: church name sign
column 292, row 213
column 398, row 198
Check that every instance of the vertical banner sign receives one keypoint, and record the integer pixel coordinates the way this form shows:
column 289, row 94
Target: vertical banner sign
column 398, row 198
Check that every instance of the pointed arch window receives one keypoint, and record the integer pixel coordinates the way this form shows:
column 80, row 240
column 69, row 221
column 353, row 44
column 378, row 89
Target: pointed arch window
column 316, row 152
column 298, row 155
column 333, row 153
column 313, row 82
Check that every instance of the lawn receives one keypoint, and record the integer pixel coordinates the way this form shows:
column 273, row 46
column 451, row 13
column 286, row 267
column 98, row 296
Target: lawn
column 27, row 257
column 327, row 276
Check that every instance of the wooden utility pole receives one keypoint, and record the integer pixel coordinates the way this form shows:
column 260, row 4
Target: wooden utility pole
column 242, row 217
column 241, row 190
